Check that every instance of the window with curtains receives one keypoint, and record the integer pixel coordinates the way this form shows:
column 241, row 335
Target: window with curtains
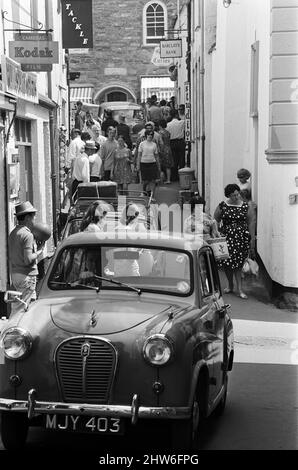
column 154, row 23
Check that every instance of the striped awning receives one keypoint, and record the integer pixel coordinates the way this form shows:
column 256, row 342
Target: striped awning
column 82, row 93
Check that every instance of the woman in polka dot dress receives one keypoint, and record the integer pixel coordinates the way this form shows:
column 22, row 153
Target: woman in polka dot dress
column 236, row 222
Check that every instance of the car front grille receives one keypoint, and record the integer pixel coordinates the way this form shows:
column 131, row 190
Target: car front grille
column 85, row 369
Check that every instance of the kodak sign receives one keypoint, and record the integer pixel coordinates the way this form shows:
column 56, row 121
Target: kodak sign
column 34, row 49
column 77, row 30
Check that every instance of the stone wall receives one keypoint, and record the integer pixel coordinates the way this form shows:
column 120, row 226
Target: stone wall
column 118, row 56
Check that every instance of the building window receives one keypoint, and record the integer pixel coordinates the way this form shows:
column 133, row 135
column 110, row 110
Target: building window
column 23, row 136
column 116, row 96
column 154, row 23
column 254, row 79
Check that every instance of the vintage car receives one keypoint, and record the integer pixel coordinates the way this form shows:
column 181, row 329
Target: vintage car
column 126, row 328
column 134, row 114
column 87, row 194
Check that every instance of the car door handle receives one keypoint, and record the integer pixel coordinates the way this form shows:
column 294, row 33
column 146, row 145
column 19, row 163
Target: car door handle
column 222, row 310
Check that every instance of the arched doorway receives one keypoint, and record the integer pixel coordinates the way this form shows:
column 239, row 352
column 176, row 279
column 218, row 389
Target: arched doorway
column 114, row 92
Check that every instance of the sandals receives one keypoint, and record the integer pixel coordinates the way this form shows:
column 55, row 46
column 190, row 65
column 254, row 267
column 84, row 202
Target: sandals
column 227, row 290
column 242, row 295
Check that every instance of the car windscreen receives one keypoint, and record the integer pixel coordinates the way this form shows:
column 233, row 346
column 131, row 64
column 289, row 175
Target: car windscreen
column 149, row 269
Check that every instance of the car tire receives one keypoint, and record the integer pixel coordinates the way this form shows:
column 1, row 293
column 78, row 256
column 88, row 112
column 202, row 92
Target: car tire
column 220, row 408
column 185, row 433
column 14, row 430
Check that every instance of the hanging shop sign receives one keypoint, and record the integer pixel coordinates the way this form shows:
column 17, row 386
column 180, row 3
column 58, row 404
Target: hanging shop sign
column 187, row 111
column 157, row 60
column 18, row 83
column 77, row 24
column 34, row 51
column 170, row 48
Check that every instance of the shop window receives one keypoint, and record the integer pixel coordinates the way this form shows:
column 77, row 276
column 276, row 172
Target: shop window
column 23, row 131
column 23, row 137
column 154, row 23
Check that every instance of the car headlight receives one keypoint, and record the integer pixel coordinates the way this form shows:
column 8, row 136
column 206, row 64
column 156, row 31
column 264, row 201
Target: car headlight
column 157, row 350
column 16, row 343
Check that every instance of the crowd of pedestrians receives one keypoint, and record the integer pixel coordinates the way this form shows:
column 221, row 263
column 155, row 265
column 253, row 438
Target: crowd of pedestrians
column 105, row 150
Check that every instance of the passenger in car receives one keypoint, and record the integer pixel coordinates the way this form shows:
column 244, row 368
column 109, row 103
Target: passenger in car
column 94, row 219
column 129, row 219
column 126, row 266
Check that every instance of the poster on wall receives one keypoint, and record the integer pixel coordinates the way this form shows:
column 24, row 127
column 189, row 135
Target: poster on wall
column 77, row 30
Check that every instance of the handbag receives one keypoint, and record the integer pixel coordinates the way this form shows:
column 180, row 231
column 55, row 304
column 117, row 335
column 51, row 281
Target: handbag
column 220, row 248
column 135, row 177
column 250, row 267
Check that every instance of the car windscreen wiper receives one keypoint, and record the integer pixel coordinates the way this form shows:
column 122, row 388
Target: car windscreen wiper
column 119, row 283
column 75, row 283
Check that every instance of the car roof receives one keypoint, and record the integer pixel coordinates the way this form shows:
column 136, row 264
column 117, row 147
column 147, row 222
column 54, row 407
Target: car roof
column 119, row 105
column 153, row 238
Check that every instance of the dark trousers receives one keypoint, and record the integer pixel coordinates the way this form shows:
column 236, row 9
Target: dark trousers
column 74, row 186
column 107, row 175
column 178, row 152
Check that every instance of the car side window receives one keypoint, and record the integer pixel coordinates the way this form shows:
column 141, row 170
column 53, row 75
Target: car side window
column 205, row 274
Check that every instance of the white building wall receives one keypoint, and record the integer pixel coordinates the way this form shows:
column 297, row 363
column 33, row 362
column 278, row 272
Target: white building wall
column 281, row 227
column 239, row 140
column 22, row 12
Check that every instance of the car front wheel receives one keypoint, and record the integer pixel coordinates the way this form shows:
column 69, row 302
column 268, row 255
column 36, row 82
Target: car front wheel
column 222, row 404
column 14, row 430
column 185, row 433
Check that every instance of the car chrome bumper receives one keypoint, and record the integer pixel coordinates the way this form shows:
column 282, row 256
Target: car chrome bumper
column 34, row 407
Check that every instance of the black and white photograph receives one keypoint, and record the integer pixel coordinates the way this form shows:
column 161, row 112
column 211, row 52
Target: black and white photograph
column 148, row 243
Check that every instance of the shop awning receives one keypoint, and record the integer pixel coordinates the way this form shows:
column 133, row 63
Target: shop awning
column 82, row 93
column 160, row 85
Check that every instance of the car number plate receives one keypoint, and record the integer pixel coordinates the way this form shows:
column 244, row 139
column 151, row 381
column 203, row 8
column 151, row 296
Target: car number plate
column 84, row 424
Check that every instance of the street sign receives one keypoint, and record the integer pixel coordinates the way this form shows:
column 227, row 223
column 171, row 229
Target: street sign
column 171, row 48
column 158, row 61
column 187, row 112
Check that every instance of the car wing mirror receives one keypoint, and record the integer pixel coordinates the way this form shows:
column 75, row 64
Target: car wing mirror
column 11, row 296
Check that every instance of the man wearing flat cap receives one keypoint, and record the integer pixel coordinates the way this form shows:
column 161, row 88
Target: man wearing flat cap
column 23, row 254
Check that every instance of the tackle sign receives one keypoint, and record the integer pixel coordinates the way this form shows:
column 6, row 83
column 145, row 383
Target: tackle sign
column 77, row 24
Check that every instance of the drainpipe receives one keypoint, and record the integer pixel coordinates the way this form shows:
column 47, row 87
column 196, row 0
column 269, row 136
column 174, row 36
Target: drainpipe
column 188, row 62
column 52, row 140
column 202, row 73
column 6, row 140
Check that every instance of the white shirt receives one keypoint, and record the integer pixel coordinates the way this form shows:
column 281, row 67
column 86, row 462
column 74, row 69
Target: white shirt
column 176, row 129
column 81, row 170
column 95, row 162
column 74, row 149
column 100, row 139
column 148, row 151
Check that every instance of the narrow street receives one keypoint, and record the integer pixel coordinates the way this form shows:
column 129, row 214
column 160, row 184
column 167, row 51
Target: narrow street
column 148, row 236
column 262, row 404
